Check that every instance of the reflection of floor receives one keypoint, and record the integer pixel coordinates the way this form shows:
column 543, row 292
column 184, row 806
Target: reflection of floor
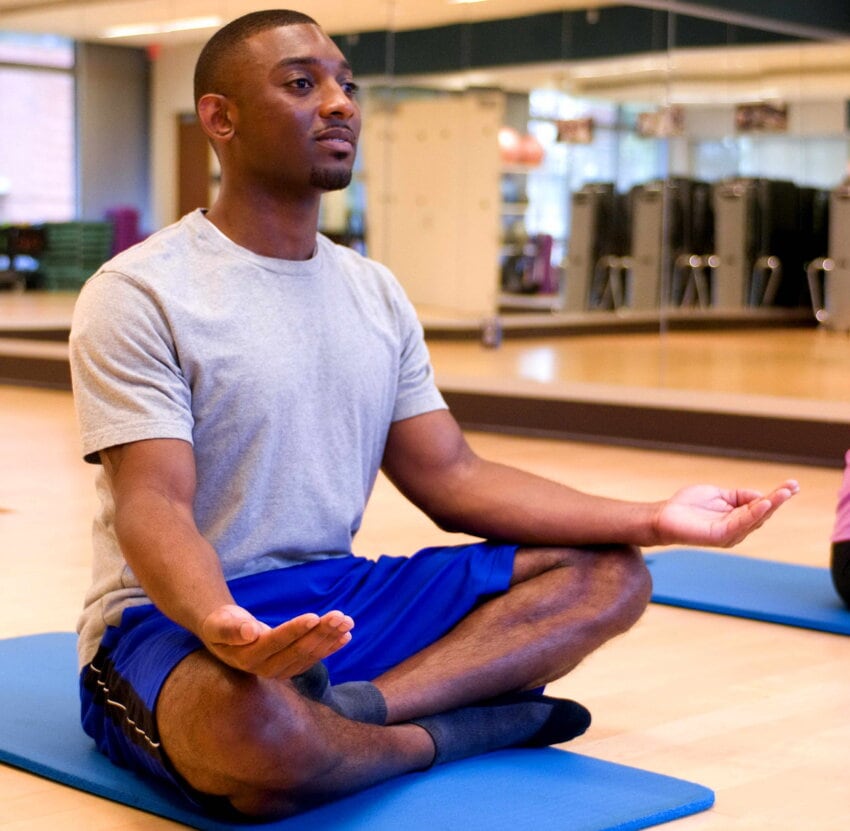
column 796, row 362
column 27, row 312
column 777, row 392
column 799, row 363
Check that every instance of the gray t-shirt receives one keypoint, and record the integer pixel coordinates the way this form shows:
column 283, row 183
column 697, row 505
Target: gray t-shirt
column 284, row 375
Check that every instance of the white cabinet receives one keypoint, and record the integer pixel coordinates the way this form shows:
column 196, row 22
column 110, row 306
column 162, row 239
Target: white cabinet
column 432, row 181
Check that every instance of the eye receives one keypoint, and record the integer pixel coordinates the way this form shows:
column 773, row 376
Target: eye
column 300, row 83
column 351, row 88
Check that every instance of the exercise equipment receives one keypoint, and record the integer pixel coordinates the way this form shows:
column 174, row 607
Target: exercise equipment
column 829, row 277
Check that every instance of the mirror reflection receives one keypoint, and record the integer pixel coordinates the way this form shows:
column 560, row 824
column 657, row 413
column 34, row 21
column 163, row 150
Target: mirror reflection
column 609, row 195
column 685, row 191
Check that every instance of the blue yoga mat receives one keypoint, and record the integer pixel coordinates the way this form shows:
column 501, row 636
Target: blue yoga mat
column 511, row 790
column 730, row 584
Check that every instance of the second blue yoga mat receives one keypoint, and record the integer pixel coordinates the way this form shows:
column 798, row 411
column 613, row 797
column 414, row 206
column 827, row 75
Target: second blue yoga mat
column 729, row 584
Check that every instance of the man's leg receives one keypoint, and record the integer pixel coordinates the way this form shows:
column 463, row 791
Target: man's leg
column 268, row 749
column 561, row 606
column 272, row 751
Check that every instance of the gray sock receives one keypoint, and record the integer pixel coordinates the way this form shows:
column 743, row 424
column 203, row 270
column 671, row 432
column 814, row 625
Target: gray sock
column 520, row 720
column 356, row 700
column 314, row 682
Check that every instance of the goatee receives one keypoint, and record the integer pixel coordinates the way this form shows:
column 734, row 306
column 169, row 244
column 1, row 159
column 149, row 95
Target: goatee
column 325, row 179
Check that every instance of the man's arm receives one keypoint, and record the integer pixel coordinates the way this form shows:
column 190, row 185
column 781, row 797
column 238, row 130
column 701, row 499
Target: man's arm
column 153, row 484
column 429, row 460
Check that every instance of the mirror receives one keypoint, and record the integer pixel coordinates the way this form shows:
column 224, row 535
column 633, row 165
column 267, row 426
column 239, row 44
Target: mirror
column 681, row 188
column 613, row 171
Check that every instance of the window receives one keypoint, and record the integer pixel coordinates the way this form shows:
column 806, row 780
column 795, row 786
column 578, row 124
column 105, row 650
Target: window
column 37, row 167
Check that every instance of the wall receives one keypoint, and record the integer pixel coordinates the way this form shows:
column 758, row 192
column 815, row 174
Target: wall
column 113, row 134
column 171, row 94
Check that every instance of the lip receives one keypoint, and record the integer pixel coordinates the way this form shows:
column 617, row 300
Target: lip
column 337, row 138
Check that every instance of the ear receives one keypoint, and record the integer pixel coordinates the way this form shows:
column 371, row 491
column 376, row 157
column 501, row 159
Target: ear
column 215, row 115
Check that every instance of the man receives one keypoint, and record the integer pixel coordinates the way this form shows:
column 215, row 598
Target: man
column 242, row 380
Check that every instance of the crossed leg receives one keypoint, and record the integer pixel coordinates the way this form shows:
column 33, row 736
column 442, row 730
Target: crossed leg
column 563, row 604
column 273, row 752
column 269, row 750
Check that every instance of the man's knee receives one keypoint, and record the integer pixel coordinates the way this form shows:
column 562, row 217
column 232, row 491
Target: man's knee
column 254, row 741
column 625, row 568
column 613, row 582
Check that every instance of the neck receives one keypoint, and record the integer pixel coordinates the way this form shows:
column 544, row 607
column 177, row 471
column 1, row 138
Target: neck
column 285, row 229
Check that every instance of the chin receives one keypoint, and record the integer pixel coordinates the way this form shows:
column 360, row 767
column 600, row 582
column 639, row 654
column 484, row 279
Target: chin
column 330, row 179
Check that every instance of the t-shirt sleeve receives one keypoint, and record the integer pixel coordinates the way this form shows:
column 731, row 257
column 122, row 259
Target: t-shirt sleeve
column 126, row 376
column 417, row 388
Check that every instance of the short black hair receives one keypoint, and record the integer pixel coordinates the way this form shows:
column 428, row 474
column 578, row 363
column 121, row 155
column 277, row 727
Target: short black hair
column 211, row 65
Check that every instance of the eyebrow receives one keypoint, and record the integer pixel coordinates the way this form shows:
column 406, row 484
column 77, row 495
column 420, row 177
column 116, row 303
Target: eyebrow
column 308, row 61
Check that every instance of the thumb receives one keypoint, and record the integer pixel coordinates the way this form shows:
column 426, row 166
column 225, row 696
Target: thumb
column 232, row 626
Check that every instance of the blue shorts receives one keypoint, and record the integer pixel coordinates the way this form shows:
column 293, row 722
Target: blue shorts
column 428, row 592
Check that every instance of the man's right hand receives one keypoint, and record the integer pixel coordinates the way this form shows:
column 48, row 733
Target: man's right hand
column 238, row 639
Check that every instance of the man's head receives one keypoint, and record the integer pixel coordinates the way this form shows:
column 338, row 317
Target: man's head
column 277, row 99
column 211, row 70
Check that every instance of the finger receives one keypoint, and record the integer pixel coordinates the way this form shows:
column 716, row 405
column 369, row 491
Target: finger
column 752, row 516
column 760, row 507
column 336, row 621
column 765, row 508
column 740, row 522
column 779, row 495
column 785, row 491
column 297, row 644
column 290, row 631
column 744, row 496
column 295, row 661
column 233, row 626
column 331, row 634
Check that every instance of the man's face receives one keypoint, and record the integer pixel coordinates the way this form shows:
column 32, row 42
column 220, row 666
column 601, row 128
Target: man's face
column 296, row 118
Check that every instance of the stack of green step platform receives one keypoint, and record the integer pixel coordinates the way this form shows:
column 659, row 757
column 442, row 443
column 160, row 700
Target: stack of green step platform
column 73, row 252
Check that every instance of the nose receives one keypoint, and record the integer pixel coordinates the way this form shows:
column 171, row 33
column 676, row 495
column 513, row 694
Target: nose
column 337, row 102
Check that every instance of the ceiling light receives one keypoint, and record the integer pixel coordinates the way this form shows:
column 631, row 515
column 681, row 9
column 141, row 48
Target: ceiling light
column 140, row 29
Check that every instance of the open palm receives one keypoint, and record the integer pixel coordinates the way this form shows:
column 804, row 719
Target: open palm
column 708, row 515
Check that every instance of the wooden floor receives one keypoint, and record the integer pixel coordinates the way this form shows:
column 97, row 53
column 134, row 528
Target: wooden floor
column 756, row 711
